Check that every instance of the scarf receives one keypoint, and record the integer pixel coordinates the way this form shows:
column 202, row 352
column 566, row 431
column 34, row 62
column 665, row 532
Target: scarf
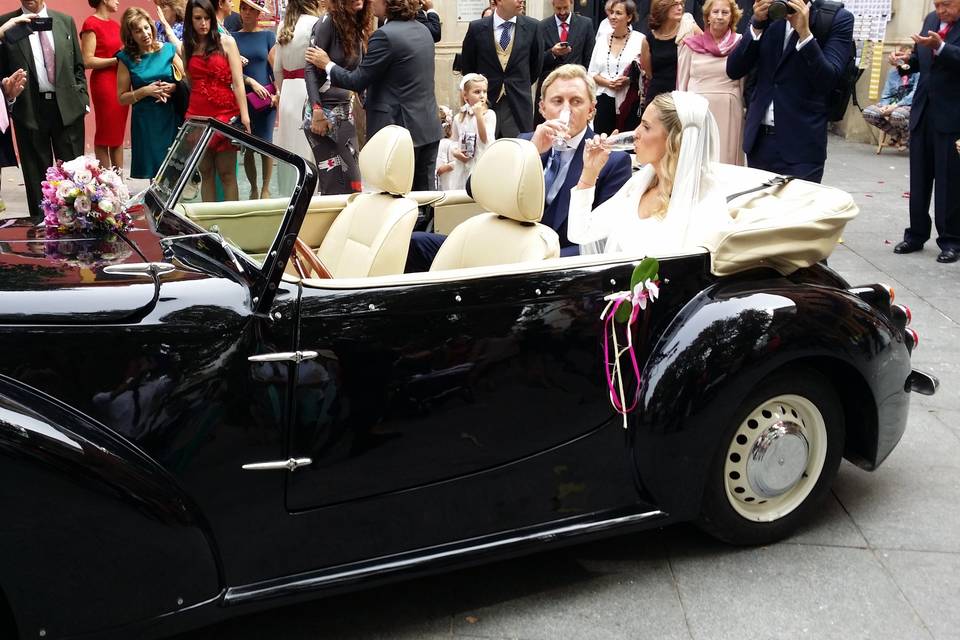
column 704, row 43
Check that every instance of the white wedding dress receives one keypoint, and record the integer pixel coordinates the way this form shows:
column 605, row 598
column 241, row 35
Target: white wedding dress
column 697, row 207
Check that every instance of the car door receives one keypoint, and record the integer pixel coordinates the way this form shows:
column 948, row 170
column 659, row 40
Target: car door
column 439, row 411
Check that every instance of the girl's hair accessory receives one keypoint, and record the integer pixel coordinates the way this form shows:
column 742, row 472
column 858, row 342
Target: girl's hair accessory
column 471, row 77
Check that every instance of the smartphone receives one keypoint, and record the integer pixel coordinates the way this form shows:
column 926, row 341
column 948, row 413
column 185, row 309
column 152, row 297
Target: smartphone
column 564, row 45
column 41, row 24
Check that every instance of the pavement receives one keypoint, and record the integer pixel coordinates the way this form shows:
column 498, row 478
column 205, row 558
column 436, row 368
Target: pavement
column 880, row 560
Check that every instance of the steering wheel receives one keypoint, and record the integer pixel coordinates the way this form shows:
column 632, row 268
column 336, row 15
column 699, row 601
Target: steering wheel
column 305, row 261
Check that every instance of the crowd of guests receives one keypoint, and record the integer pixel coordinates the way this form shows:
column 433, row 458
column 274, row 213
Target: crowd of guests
column 766, row 84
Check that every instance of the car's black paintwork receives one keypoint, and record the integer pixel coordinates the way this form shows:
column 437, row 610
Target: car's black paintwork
column 447, row 422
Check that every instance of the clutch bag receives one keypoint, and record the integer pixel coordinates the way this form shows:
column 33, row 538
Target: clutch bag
column 259, row 104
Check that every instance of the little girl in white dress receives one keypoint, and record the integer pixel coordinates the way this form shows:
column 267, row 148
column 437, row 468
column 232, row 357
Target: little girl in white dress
column 473, row 128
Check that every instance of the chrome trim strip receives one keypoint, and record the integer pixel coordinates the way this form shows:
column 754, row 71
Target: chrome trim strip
column 253, row 592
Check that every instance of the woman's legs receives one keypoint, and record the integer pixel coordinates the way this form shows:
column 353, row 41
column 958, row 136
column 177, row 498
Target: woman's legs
column 250, row 169
column 208, row 185
column 226, row 162
column 116, row 157
column 267, row 176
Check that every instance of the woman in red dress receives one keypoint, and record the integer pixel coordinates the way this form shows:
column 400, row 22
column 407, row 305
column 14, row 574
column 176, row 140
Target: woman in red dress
column 99, row 43
column 216, row 90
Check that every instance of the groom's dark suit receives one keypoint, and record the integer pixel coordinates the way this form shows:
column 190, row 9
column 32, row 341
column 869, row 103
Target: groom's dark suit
column 613, row 176
column 934, row 126
column 48, row 125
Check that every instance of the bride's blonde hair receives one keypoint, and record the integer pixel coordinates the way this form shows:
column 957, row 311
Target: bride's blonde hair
column 670, row 120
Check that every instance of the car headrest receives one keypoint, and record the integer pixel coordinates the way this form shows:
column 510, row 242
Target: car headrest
column 508, row 180
column 386, row 161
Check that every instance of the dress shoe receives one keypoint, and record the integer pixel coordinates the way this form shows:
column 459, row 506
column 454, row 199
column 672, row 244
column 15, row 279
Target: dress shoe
column 907, row 247
column 948, row 255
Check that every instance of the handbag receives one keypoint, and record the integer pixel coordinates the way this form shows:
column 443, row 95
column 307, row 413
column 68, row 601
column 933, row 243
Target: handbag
column 181, row 95
column 261, row 104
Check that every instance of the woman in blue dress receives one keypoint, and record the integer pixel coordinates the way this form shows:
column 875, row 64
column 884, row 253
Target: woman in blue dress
column 256, row 45
column 145, row 80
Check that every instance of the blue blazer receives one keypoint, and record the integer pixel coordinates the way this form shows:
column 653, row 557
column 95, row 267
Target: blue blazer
column 797, row 82
column 613, row 176
column 937, row 96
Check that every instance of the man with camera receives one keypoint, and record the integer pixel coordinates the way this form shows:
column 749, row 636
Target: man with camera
column 786, row 128
column 568, row 38
column 934, row 127
column 48, row 115
column 428, row 17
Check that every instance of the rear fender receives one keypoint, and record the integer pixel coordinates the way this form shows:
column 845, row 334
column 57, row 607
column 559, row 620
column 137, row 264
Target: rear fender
column 728, row 339
column 102, row 534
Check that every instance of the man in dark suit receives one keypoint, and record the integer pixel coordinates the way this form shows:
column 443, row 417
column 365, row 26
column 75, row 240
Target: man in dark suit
column 428, row 17
column 934, row 126
column 567, row 39
column 397, row 74
column 568, row 87
column 506, row 49
column 48, row 115
column 786, row 128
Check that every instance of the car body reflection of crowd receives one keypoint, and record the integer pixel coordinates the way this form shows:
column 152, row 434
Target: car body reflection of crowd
column 337, row 71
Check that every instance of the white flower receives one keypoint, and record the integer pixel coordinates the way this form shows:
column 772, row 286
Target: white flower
column 65, row 189
column 82, row 176
column 82, row 204
column 106, row 205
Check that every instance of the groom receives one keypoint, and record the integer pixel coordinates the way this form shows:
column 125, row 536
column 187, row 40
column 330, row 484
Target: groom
column 567, row 86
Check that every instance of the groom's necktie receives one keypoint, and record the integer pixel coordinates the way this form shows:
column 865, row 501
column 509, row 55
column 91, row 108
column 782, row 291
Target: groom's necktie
column 550, row 175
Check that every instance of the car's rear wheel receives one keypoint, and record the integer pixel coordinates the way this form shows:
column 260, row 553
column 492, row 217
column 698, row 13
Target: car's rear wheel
column 776, row 461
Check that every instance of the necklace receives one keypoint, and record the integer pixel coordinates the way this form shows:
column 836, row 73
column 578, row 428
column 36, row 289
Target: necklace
column 613, row 74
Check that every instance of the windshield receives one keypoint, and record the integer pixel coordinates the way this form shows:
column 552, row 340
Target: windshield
column 227, row 187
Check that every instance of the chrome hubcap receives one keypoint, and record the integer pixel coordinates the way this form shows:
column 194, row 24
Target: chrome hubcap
column 778, row 459
column 775, row 458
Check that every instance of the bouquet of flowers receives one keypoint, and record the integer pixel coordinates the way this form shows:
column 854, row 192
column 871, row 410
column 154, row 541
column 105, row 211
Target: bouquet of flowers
column 81, row 195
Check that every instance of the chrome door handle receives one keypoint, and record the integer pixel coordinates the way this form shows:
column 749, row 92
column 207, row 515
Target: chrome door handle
column 284, row 356
column 278, row 465
column 140, row 269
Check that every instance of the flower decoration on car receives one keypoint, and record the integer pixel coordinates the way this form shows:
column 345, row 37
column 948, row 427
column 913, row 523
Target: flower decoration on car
column 625, row 307
column 80, row 195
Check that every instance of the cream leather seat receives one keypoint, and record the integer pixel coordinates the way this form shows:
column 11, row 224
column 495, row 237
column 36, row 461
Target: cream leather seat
column 371, row 236
column 508, row 182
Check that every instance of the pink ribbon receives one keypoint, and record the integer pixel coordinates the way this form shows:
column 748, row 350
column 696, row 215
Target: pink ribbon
column 642, row 293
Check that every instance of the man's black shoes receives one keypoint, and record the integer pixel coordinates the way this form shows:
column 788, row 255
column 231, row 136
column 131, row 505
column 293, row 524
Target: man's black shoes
column 948, row 255
column 907, row 247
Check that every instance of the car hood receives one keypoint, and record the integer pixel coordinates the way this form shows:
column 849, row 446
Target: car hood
column 62, row 278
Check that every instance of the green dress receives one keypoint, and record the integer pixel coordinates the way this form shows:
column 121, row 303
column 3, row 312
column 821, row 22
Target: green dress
column 154, row 124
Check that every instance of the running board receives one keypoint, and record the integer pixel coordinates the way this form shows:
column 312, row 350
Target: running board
column 414, row 560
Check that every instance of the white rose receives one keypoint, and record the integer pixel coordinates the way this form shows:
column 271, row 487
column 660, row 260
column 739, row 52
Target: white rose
column 106, row 206
column 82, row 176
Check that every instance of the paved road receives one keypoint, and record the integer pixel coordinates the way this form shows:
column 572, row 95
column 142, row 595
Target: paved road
column 882, row 559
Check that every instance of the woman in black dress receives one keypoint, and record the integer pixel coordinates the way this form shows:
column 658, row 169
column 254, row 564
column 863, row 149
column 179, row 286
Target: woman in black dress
column 328, row 117
column 668, row 26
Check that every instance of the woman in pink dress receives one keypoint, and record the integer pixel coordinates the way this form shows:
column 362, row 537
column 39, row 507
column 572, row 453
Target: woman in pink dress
column 99, row 43
column 702, row 69
column 216, row 90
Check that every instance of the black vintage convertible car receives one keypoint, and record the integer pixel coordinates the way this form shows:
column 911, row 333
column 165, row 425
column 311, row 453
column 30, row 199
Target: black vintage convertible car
column 234, row 405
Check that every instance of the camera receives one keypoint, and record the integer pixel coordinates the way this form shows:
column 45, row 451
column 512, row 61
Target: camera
column 779, row 10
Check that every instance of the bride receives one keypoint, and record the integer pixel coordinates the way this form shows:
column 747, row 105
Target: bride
column 655, row 211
